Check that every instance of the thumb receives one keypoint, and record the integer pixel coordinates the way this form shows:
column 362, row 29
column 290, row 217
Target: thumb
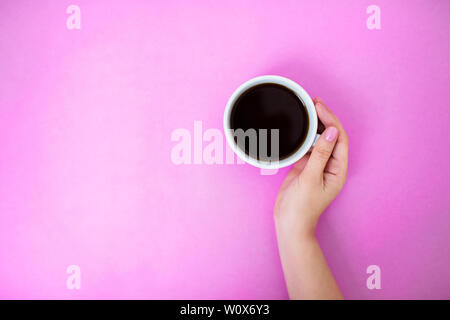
column 322, row 152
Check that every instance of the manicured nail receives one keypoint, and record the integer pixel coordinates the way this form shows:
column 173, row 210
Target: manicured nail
column 331, row 134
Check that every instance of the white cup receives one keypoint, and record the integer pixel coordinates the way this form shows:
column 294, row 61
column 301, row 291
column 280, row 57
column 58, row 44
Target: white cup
column 311, row 136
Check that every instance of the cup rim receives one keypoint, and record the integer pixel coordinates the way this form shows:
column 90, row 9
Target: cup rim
column 301, row 94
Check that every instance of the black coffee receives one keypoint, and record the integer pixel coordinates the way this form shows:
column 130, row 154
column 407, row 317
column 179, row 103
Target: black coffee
column 271, row 106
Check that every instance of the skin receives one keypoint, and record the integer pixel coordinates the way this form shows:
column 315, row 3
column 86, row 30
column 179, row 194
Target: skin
column 309, row 187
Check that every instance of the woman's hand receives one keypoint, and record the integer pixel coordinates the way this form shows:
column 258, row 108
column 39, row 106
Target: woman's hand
column 316, row 179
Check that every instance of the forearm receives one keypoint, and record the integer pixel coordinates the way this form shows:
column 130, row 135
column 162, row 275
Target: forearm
column 305, row 269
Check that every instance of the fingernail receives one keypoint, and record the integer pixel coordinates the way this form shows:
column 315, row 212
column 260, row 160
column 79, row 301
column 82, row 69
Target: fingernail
column 331, row 134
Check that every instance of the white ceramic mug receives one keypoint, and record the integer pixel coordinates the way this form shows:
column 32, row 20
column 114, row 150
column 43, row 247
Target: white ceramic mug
column 311, row 136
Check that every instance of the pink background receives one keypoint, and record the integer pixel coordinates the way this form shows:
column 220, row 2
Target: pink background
column 86, row 117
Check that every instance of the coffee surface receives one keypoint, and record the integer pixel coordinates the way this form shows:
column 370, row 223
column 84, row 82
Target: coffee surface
column 272, row 106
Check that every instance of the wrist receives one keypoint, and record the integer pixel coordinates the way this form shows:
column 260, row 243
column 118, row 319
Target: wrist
column 295, row 226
